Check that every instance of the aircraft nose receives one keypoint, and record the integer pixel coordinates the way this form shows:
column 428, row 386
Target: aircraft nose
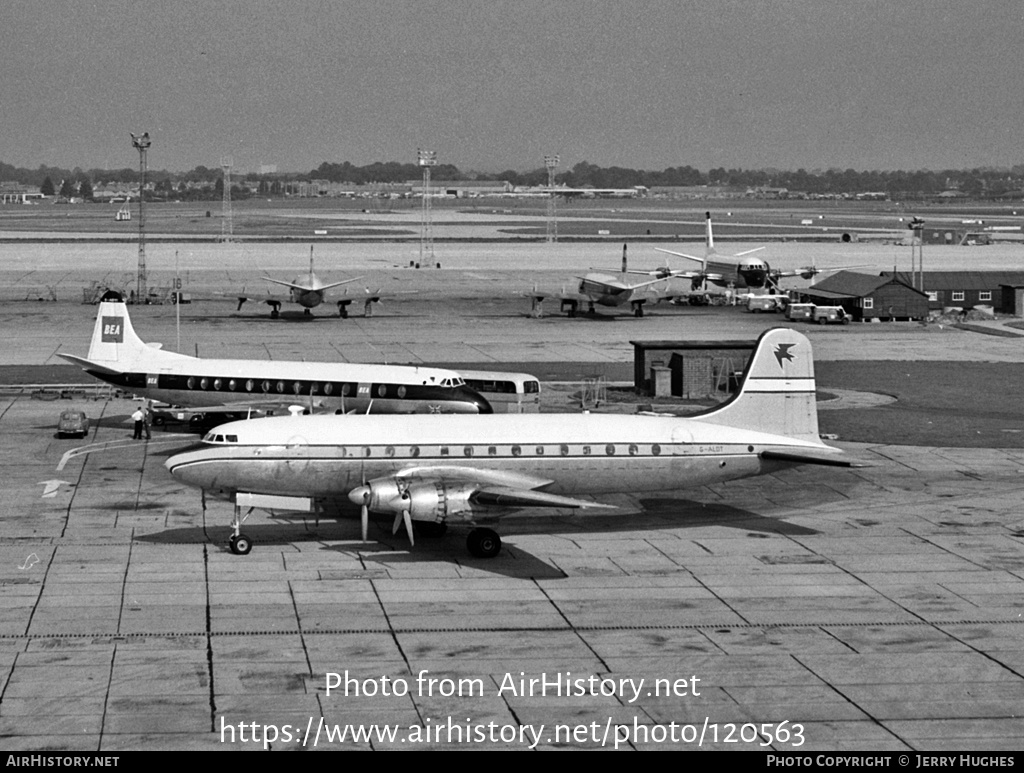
column 358, row 496
column 471, row 395
column 183, row 466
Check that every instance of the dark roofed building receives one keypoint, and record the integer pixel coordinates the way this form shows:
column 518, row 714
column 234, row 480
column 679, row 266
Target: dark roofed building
column 966, row 289
column 866, row 296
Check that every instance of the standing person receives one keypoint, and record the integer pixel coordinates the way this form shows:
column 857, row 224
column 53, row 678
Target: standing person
column 139, row 417
column 147, row 420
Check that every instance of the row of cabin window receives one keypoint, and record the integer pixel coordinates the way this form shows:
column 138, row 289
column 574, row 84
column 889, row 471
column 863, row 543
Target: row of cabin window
column 297, row 387
column 414, row 451
column 469, row 451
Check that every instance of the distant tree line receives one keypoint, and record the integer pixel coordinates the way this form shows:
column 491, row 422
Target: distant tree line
column 204, row 183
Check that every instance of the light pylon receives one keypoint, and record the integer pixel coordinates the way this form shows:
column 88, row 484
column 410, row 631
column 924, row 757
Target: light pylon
column 426, row 159
column 551, row 162
column 227, row 227
column 141, row 143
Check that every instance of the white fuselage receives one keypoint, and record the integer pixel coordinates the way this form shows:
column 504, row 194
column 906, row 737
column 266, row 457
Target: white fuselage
column 321, row 386
column 575, row 454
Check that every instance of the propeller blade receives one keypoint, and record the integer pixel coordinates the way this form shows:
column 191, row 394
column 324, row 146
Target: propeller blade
column 400, row 518
column 364, row 520
column 408, row 526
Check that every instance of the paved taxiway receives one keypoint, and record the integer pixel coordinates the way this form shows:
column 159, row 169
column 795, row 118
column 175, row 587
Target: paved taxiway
column 879, row 608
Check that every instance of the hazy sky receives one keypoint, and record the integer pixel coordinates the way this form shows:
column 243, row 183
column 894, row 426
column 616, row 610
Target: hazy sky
column 497, row 84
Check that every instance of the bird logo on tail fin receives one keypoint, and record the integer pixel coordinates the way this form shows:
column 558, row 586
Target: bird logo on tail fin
column 782, row 353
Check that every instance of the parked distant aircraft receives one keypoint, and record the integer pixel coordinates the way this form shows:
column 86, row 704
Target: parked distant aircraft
column 463, row 469
column 308, row 291
column 603, row 289
column 753, row 275
column 118, row 356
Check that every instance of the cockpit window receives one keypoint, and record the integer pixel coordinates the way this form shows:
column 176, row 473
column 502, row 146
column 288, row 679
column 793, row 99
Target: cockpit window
column 212, row 437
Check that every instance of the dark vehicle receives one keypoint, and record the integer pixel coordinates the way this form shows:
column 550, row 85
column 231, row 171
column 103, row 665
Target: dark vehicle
column 73, row 423
column 202, row 419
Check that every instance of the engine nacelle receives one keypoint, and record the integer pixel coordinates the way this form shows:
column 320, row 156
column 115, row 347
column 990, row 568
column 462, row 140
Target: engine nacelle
column 425, row 500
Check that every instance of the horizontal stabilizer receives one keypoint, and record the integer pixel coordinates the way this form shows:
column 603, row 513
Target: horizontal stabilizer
column 89, row 365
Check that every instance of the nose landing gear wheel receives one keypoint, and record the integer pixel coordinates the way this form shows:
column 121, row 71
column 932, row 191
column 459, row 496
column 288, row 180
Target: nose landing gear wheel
column 483, row 543
column 240, row 545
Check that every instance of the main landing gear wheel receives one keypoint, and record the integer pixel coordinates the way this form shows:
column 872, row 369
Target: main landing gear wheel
column 483, row 543
column 240, row 545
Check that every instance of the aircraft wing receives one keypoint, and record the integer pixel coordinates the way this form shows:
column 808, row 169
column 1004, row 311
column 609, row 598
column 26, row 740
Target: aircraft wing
column 339, row 284
column 618, row 286
column 809, row 272
column 680, row 255
column 501, row 496
column 268, row 298
column 666, row 273
column 825, row 457
column 671, row 295
column 497, row 488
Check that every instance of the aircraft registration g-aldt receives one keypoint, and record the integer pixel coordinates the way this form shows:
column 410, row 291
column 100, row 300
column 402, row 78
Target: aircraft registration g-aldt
column 436, row 470
column 309, row 292
column 118, row 356
column 604, row 289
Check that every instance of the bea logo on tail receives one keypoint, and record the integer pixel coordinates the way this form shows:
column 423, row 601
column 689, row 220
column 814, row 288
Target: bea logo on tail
column 113, row 330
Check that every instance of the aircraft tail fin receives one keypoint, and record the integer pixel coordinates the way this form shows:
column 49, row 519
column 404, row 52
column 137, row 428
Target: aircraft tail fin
column 115, row 344
column 777, row 391
column 709, row 236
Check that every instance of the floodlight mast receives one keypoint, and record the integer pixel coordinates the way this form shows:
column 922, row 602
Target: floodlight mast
column 916, row 225
column 227, row 228
column 551, row 162
column 141, row 143
column 426, row 159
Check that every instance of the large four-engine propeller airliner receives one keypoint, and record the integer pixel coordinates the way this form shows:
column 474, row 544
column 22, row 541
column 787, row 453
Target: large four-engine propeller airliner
column 118, row 356
column 436, row 470
column 309, row 292
column 753, row 275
